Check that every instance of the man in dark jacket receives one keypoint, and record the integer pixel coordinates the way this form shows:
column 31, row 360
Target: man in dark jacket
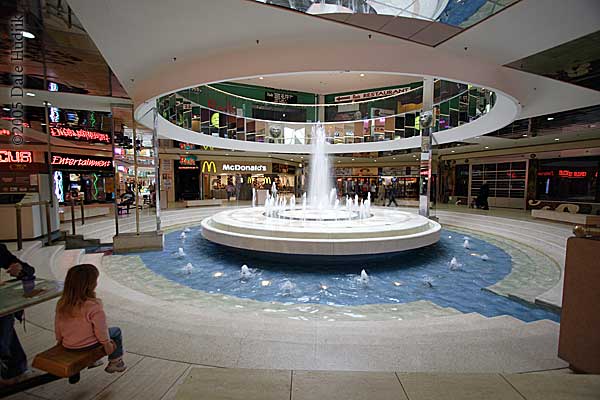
column 392, row 196
column 482, row 198
column 13, row 361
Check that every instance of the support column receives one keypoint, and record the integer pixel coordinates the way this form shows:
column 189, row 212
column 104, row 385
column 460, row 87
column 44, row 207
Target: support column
column 135, row 169
column 426, row 123
column 321, row 109
column 156, row 169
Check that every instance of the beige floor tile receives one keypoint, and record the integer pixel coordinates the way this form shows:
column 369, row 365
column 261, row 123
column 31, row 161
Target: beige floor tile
column 330, row 385
column 92, row 382
column 234, row 384
column 172, row 393
column 556, row 387
column 149, row 379
column 23, row 396
column 424, row 386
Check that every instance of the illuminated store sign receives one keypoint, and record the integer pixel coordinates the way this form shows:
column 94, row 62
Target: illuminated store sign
column 13, row 157
column 187, row 162
column 370, row 95
column 208, row 167
column 80, row 134
column 244, row 168
column 220, row 167
column 565, row 173
column 81, row 162
column 282, row 98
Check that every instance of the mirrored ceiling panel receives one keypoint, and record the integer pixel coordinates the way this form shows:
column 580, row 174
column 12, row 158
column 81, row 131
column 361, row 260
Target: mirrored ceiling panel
column 428, row 22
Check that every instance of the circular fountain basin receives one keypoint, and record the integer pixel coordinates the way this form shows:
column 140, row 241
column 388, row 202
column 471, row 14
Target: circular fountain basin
column 317, row 232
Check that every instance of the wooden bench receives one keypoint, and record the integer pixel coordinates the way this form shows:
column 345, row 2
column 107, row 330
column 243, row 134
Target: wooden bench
column 65, row 363
column 201, row 203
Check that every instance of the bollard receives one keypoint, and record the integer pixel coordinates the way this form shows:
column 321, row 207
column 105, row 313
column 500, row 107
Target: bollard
column 48, row 223
column 73, row 216
column 19, row 227
column 82, row 213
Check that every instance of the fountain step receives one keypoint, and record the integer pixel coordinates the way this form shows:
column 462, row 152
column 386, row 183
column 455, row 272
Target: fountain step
column 43, row 258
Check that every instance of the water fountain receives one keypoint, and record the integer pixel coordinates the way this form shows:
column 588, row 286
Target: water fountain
column 323, row 225
column 180, row 252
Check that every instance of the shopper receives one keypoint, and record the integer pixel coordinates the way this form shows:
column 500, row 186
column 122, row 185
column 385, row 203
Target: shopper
column 392, row 196
column 80, row 322
column 13, row 363
column 482, row 198
column 230, row 190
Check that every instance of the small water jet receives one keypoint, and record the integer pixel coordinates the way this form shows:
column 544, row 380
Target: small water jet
column 454, row 264
column 485, row 257
column 188, row 268
column 467, row 244
column 364, row 277
column 182, row 236
column 180, row 252
column 245, row 272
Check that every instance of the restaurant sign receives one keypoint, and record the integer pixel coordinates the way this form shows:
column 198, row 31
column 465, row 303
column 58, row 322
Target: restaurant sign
column 370, row 95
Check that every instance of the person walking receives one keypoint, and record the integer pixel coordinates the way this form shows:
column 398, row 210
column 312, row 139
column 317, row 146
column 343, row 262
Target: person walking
column 392, row 196
column 482, row 198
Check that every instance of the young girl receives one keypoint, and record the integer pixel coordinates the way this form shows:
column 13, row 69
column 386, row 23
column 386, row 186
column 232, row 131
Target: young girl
column 80, row 321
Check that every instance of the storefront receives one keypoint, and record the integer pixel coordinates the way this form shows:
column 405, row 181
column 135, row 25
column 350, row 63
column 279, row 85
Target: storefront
column 82, row 176
column 569, row 180
column 352, row 181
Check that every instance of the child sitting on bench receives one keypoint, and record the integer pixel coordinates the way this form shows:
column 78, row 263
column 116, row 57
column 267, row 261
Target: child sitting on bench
column 80, row 322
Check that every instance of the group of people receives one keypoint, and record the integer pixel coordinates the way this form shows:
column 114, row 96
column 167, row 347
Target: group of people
column 80, row 321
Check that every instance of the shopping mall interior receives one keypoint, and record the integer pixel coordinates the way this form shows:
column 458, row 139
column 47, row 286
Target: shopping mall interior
column 299, row 199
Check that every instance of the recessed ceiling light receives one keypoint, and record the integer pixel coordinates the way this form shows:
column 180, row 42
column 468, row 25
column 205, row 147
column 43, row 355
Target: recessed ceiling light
column 557, row 139
column 30, row 94
column 353, row 159
column 28, row 35
column 524, row 135
column 452, row 151
column 301, row 156
column 414, row 155
column 477, row 137
column 375, row 160
column 393, row 158
column 261, row 77
column 361, row 75
column 226, row 154
column 339, row 161
column 8, row 109
column 487, row 147
column 550, row 118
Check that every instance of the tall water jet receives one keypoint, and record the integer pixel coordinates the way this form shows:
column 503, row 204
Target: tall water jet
column 245, row 272
column 253, row 197
column 364, row 277
column 319, row 186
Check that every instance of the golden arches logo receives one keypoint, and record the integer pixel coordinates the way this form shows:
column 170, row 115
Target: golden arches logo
column 207, row 166
column 268, row 179
column 249, row 179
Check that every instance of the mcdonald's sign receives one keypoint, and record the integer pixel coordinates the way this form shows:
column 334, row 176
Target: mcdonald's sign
column 268, row 180
column 208, row 166
column 249, row 179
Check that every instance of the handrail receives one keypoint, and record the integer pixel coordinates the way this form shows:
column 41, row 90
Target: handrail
column 328, row 122
column 313, row 104
column 18, row 214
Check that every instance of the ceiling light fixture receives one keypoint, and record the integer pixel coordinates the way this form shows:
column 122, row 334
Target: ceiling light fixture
column 28, row 35
column 362, row 75
column 261, row 77
column 452, row 151
column 30, row 94
column 524, row 135
column 8, row 109
column 550, row 118
column 557, row 139
column 487, row 147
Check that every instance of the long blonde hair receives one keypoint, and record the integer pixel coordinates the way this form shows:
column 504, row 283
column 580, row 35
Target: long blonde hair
column 80, row 285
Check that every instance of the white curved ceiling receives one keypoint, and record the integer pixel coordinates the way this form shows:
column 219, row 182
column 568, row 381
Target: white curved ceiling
column 155, row 48
column 330, row 82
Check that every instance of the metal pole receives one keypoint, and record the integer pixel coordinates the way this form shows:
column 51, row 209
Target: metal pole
column 50, row 169
column 82, row 213
column 426, row 120
column 73, row 215
column 116, row 170
column 156, row 169
column 48, row 222
column 19, row 227
column 135, row 180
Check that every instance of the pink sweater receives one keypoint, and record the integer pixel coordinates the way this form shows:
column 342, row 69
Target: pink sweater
column 86, row 329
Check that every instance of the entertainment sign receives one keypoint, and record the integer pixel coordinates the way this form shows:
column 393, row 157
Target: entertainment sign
column 81, row 162
column 79, row 134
